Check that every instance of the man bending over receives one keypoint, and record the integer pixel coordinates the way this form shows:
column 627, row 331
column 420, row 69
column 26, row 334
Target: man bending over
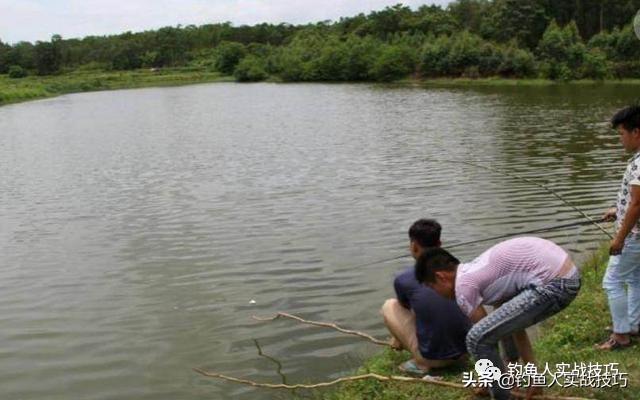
column 529, row 278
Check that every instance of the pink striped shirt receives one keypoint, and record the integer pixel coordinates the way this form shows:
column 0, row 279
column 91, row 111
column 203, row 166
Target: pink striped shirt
column 505, row 270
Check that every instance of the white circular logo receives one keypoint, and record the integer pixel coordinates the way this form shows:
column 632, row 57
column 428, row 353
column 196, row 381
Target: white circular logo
column 482, row 365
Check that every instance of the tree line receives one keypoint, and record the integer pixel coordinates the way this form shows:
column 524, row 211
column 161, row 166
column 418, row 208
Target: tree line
column 469, row 38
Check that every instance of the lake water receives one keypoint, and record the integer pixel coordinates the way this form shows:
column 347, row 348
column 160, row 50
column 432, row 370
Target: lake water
column 137, row 225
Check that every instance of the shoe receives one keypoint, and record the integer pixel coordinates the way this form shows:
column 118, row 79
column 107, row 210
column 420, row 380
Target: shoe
column 611, row 344
column 410, row 367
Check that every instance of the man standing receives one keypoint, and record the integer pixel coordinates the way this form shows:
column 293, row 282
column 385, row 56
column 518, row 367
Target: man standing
column 624, row 262
column 432, row 328
column 528, row 278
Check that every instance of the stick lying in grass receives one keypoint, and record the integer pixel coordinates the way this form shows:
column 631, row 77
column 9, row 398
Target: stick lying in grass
column 325, row 325
column 381, row 378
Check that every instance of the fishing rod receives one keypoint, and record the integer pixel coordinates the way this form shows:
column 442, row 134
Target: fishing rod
column 539, row 230
column 503, row 236
column 540, row 185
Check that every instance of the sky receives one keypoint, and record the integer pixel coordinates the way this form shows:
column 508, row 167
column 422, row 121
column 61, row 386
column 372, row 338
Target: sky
column 33, row 20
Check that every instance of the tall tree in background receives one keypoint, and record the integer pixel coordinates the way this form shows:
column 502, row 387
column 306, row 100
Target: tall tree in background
column 4, row 57
column 388, row 21
column 471, row 15
column 522, row 20
column 22, row 54
column 593, row 16
column 435, row 20
column 48, row 56
column 228, row 55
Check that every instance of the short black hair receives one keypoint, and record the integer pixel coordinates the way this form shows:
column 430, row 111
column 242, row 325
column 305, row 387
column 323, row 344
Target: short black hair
column 628, row 117
column 433, row 260
column 426, row 232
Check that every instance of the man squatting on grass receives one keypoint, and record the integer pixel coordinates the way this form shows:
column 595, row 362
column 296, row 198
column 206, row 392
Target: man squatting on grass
column 429, row 326
column 528, row 278
column 624, row 263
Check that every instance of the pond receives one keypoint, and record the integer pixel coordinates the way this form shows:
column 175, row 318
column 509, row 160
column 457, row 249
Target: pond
column 138, row 225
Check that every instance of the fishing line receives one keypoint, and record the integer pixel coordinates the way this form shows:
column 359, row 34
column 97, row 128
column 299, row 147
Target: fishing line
column 503, row 236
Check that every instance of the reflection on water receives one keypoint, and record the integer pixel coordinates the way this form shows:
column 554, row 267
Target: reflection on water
column 137, row 225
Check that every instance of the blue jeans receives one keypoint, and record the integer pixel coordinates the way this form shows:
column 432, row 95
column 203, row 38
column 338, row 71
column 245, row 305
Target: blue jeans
column 624, row 270
column 532, row 305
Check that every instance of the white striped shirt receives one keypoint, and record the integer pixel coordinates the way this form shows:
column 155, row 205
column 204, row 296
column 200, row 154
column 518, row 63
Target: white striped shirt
column 505, row 270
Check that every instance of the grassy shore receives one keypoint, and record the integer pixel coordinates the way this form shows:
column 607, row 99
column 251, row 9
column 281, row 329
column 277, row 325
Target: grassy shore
column 496, row 81
column 36, row 87
column 566, row 338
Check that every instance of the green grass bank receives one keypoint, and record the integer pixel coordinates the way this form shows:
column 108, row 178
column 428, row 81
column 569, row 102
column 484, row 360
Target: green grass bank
column 37, row 87
column 462, row 82
column 568, row 337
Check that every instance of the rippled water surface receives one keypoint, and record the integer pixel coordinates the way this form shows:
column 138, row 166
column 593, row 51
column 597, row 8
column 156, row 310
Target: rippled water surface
column 137, row 225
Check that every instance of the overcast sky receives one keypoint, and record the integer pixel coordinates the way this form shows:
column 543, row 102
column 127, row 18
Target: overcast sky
column 33, row 20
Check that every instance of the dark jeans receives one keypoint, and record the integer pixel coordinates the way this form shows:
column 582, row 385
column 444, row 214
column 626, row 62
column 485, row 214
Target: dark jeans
column 532, row 305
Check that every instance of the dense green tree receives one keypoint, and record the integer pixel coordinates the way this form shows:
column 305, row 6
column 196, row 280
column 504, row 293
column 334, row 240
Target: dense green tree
column 129, row 55
column 595, row 65
column 621, row 48
column 471, row 15
column 251, row 69
column 228, row 55
column 562, row 51
column 291, row 66
column 361, row 54
column 517, row 63
column 331, row 61
column 593, row 16
column 523, row 21
column 22, row 54
column 434, row 20
column 382, row 23
column 48, row 57
column 434, row 57
column 172, row 45
column 393, row 62
column 4, row 57
column 296, row 61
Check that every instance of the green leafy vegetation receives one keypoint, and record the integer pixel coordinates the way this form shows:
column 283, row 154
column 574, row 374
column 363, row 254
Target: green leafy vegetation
column 16, row 72
column 251, row 69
